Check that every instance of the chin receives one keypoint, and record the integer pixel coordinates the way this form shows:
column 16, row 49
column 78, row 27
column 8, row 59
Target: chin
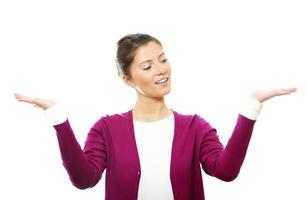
column 164, row 93
column 157, row 93
column 169, row 91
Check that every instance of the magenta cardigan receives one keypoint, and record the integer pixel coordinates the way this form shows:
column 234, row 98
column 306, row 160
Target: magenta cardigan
column 111, row 145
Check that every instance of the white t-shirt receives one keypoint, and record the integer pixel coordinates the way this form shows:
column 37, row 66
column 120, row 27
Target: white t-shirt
column 154, row 142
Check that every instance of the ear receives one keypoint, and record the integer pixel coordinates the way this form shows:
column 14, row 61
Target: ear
column 128, row 81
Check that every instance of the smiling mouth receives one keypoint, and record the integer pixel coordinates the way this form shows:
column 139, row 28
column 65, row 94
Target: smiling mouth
column 162, row 81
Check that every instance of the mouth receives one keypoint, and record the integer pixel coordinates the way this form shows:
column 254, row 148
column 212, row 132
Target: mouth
column 162, row 81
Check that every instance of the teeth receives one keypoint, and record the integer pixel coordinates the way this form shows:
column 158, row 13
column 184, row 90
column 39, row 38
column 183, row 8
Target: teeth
column 162, row 81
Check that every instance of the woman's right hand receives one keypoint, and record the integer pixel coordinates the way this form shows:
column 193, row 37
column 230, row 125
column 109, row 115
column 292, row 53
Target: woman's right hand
column 38, row 102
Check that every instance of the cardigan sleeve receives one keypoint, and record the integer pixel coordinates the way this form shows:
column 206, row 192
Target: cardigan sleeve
column 84, row 166
column 225, row 162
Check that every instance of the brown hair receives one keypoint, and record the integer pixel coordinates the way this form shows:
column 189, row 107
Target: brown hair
column 126, row 50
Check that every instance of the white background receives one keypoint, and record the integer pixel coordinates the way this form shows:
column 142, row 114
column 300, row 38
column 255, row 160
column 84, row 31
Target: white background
column 220, row 51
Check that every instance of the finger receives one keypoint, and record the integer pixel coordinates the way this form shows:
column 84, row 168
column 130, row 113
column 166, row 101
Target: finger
column 292, row 89
column 23, row 98
column 283, row 91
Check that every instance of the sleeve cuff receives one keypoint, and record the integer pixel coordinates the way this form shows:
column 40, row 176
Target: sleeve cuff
column 56, row 114
column 251, row 108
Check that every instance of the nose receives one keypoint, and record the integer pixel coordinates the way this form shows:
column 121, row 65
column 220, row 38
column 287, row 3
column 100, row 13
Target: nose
column 161, row 69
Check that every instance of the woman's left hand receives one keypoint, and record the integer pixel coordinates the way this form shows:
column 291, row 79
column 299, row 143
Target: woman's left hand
column 263, row 95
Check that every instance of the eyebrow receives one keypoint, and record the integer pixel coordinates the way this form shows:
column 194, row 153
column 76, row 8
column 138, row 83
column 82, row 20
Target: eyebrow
column 150, row 60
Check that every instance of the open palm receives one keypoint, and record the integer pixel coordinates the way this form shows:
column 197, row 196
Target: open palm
column 263, row 95
column 38, row 102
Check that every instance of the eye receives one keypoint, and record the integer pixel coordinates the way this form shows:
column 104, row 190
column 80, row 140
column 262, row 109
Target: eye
column 164, row 61
column 147, row 68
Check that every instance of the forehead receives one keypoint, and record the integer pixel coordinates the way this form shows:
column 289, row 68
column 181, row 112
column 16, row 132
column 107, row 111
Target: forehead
column 149, row 51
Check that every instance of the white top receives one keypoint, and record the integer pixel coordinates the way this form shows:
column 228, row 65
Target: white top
column 155, row 162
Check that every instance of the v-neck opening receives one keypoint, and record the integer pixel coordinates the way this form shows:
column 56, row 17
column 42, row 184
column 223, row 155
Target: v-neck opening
column 130, row 117
column 154, row 122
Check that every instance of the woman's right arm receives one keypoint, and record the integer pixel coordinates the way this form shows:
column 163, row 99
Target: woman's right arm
column 84, row 166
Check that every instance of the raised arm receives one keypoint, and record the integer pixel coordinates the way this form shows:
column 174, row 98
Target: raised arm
column 225, row 163
column 84, row 166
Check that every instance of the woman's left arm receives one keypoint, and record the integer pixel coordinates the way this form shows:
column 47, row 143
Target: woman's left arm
column 225, row 163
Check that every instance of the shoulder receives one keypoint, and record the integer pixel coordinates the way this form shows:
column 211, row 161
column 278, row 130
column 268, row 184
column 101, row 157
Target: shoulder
column 114, row 119
column 191, row 120
column 117, row 116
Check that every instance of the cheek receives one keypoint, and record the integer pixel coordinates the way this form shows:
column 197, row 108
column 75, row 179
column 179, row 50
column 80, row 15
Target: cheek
column 145, row 79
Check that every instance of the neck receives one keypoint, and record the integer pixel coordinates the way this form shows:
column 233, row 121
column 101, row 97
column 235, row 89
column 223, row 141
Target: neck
column 150, row 109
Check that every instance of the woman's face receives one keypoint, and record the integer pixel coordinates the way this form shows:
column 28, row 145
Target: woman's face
column 150, row 71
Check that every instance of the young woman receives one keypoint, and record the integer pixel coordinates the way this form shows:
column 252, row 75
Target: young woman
column 151, row 151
